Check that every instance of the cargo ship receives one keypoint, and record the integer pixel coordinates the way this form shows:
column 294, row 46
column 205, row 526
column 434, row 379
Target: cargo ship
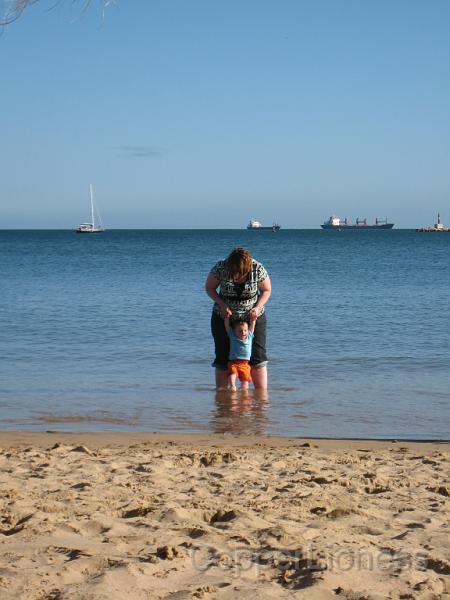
column 335, row 223
column 257, row 225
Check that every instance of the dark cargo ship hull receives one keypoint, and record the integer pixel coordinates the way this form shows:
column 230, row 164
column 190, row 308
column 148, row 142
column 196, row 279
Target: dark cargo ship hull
column 276, row 228
column 381, row 226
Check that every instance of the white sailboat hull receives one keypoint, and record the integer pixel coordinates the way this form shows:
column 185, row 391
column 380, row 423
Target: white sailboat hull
column 96, row 230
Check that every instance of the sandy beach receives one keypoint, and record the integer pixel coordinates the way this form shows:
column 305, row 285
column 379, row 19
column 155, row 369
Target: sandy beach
column 109, row 516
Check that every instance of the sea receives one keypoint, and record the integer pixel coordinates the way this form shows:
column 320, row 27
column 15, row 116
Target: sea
column 111, row 332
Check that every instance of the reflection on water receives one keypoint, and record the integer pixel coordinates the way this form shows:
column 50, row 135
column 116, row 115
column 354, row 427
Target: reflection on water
column 242, row 412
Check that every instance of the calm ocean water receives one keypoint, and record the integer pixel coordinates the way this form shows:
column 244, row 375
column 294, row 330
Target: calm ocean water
column 111, row 332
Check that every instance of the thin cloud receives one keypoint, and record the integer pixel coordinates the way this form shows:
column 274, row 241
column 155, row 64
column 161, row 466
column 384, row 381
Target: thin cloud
column 140, row 151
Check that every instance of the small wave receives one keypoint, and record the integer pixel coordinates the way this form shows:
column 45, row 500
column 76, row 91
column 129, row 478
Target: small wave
column 86, row 419
column 204, row 388
column 283, row 388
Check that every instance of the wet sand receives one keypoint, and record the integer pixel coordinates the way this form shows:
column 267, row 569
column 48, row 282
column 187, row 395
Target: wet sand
column 138, row 515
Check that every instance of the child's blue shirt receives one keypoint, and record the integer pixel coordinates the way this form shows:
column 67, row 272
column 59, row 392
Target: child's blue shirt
column 240, row 349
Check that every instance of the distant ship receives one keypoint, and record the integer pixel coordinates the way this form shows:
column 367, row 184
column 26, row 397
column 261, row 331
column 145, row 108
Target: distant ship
column 257, row 225
column 91, row 227
column 335, row 223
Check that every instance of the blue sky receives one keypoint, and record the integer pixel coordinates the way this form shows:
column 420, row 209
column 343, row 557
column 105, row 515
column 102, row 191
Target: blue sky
column 206, row 113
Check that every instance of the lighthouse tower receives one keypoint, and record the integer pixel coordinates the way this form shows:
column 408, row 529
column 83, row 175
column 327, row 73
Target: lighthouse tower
column 439, row 225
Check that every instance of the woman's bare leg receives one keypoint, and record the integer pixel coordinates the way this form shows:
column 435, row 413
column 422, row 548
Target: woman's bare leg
column 221, row 379
column 259, row 377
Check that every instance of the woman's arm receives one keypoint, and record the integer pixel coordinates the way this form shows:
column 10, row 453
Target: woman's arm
column 211, row 285
column 265, row 289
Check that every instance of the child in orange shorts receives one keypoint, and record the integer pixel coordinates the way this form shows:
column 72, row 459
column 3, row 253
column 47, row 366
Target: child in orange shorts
column 241, row 338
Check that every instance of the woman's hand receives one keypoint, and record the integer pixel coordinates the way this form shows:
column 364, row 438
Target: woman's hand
column 253, row 314
column 225, row 311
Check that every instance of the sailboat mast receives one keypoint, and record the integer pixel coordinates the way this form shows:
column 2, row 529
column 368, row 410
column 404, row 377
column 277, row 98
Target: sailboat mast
column 92, row 207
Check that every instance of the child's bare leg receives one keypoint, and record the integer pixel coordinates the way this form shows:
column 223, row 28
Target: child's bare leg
column 244, row 394
column 244, row 385
column 232, row 381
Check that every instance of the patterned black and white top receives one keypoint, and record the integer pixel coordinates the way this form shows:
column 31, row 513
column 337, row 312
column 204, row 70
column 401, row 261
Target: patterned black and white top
column 240, row 297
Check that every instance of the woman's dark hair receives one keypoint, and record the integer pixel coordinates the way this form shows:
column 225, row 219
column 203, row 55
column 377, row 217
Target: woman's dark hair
column 239, row 262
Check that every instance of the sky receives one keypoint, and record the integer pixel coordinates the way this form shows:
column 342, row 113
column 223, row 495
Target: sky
column 207, row 113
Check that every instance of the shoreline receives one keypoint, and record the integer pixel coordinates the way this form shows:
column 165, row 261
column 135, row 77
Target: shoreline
column 126, row 438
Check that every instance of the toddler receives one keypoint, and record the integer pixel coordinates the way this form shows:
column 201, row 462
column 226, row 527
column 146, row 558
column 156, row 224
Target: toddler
column 241, row 338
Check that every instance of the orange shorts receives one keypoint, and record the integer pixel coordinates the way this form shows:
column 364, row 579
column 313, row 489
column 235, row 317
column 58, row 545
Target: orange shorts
column 241, row 368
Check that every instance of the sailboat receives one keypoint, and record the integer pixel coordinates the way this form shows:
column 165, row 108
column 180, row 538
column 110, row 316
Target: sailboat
column 91, row 227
